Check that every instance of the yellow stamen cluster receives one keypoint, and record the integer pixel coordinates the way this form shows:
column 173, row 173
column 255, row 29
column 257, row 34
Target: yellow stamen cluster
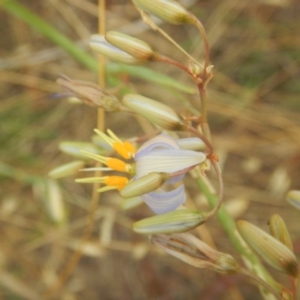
column 125, row 149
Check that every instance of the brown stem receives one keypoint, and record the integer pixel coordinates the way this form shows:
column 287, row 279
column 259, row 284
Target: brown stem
column 204, row 139
column 173, row 62
column 201, row 28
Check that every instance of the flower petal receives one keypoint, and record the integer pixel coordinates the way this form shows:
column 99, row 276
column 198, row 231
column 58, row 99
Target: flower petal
column 168, row 161
column 161, row 201
column 162, row 141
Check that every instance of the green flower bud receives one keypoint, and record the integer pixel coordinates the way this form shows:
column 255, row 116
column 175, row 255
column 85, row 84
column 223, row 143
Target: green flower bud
column 144, row 185
column 168, row 10
column 293, row 197
column 271, row 250
column 279, row 231
column 99, row 44
column 193, row 251
column 66, row 169
column 134, row 47
column 176, row 221
column 156, row 112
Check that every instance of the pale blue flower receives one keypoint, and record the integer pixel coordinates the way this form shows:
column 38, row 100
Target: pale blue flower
column 161, row 154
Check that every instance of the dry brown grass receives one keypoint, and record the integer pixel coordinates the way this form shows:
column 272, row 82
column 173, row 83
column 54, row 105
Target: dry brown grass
column 254, row 115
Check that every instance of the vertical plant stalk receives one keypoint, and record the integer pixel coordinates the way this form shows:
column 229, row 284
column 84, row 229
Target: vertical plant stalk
column 76, row 256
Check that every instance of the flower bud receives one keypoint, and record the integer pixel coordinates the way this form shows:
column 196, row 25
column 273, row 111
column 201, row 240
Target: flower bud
column 134, row 47
column 279, row 231
column 195, row 68
column 193, row 251
column 168, row 10
column 144, row 185
column 89, row 93
column 192, row 143
column 293, row 197
column 130, row 203
column 271, row 250
column 176, row 221
column 99, row 44
column 74, row 149
column 154, row 111
column 67, row 169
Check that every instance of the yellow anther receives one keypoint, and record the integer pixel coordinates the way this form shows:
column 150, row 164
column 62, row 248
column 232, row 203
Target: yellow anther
column 130, row 148
column 125, row 149
column 116, row 181
column 117, row 165
column 122, row 150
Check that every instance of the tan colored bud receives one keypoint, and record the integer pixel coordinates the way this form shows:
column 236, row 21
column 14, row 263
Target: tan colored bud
column 293, row 197
column 193, row 251
column 271, row 250
column 168, row 10
column 144, row 185
column 134, row 47
column 279, row 231
column 66, row 169
column 154, row 111
column 74, row 149
column 89, row 93
column 175, row 221
column 99, row 44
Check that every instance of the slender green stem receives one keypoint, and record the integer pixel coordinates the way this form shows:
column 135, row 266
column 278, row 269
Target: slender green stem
column 151, row 76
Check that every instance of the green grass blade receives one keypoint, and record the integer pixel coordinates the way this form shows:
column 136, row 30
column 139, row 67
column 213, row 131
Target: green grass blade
column 21, row 12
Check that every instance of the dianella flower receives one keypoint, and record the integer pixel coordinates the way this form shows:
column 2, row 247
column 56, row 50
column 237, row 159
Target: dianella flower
column 153, row 172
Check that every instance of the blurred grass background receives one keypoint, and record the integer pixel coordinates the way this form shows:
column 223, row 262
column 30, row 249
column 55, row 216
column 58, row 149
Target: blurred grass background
column 254, row 115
